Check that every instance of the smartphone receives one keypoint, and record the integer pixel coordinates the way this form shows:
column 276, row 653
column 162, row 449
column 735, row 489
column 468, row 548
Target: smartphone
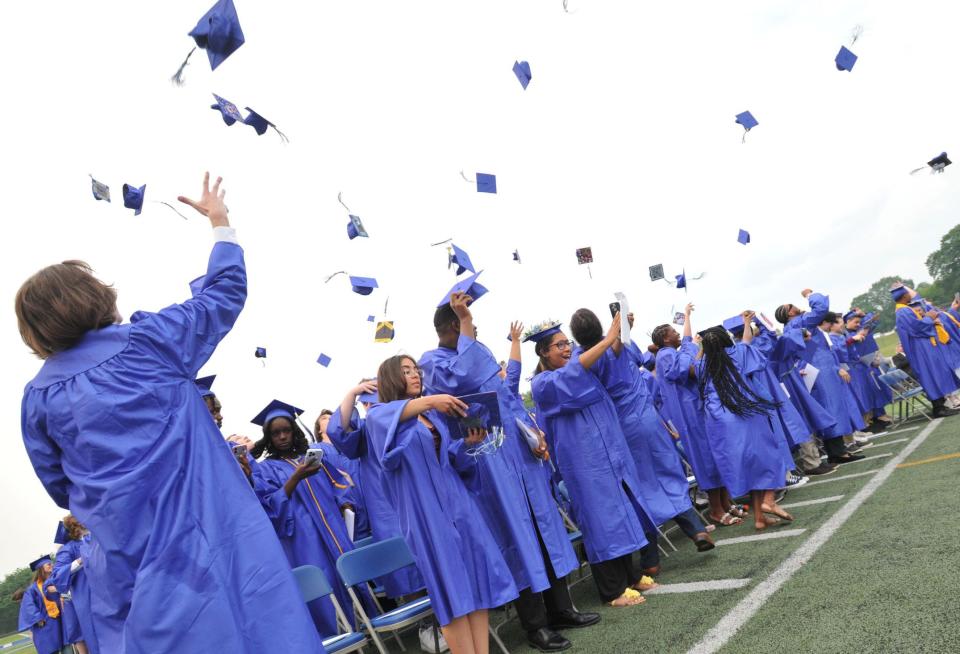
column 313, row 457
column 614, row 309
column 240, row 451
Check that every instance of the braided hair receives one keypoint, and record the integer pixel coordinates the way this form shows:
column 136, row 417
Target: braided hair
column 659, row 334
column 735, row 394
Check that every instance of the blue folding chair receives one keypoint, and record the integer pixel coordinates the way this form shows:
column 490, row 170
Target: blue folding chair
column 313, row 585
column 363, row 565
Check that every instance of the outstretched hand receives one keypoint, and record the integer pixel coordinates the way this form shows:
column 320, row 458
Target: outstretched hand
column 211, row 202
column 516, row 331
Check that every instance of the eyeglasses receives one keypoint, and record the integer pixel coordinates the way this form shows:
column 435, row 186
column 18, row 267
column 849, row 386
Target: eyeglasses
column 562, row 345
column 412, row 372
column 280, row 431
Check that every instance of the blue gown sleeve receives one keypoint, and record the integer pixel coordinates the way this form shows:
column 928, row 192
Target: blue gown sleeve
column 276, row 504
column 43, row 452
column 183, row 336
column 765, row 341
column 566, row 389
column 908, row 322
column 388, row 436
column 30, row 612
column 819, row 306
column 462, row 373
column 348, row 438
column 676, row 365
column 513, row 376
column 61, row 576
column 750, row 360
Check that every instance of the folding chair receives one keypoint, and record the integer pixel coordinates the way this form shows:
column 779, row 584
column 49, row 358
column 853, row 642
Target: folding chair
column 313, row 585
column 906, row 390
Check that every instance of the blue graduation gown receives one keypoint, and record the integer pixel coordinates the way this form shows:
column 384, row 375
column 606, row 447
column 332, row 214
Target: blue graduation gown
column 927, row 355
column 455, row 552
column 866, row 385
column 789, row 421
column 681, row 406
column 511, row 489
column 750, row 455
column 310, row 527
column 353, row 442
column 76, row 610
column 829, row 389
column 354, row 493
column 48, row 638
column 842, row 351
column 662, row 484
column 787, row 357
column 118, row 434
column 589, row 448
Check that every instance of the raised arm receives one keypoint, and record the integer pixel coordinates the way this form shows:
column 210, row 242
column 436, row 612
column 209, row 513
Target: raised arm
column 591, row 356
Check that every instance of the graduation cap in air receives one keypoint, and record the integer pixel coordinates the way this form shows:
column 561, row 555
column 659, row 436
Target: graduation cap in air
column 937, row 164
column 355, row 228
column 748, row 121
column 218, row 32
column 100, row 191
column 260, row 353
column 584, row 255
column 62, row 535
column 522, row 70
column 228, row 110
column 743, row 237
column 260, row 124
column 845, row 59
column 486, row 183
column 133, row 198
column 276, row 409
column 656, row 272
column 359, row 285
column 205, row 385
column 371, row 319
column 734, row 324
column 324, row 360
column 470, row 286
column 384, row 332
column 541, row 331
column 516, row 256
column 461, row 259
column 682, row 280
column 36, row 565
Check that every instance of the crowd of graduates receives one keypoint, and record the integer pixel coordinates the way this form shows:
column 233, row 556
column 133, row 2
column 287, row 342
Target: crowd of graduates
column 180, row 539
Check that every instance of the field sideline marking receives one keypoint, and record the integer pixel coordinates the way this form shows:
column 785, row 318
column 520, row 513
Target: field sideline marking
column 746, row 608
column 698, row 586
column 942, row 457
column 822, row 500
column 896, row 431
column 827, row 481
column 767, row 535
column 885, row 443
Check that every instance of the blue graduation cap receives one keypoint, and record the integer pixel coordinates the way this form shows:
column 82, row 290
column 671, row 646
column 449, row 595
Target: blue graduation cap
column 133, row 198
column 845, row 59
column 260, row 353
column 486, row 183
column 371, row 319
column 324, row 360
column 35, row 565
column 516, row 256
column 355, row 228
column 363, row 285
column 218, row 32
column 734, row 325
column 939, row 162
column 898, row 290
column 682, row 280
column 100, row 191
column 462, row 259
column 227, row 110
column 62, row 535
column 369, row 398
column 468, row 286
column 743, row 237
column 850, row 315
column 276, row 409
column 747, row 120
column 522, row 70
column 483, row 412
column 260, row 124
column 544, row 330
column 205, row 385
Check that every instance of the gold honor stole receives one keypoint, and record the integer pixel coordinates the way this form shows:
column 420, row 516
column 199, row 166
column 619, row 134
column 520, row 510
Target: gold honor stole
column 942, row 334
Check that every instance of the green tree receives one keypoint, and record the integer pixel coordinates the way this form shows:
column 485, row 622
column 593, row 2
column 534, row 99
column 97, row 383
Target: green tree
column 10, row 610
column 944, row 267
column 877, row 299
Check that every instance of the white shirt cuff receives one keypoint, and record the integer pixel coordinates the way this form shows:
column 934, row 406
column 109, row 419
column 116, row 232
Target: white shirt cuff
column 76, row 565
column 225, row 235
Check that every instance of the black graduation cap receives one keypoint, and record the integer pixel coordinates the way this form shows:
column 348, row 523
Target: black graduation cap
column 260, row 124
column 656, row 272
column 516, row 256
column 937, row 164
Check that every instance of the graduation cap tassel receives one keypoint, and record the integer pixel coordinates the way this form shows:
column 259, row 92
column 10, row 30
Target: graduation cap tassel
column 855, row 34
column 283, row 136
column 917, row 170
column 468, row 181
column 385, row 305
column 441, row 242
column 305, row 428
column 172, row 208
column 177, row 77
column 339, row 272
column 340, row 200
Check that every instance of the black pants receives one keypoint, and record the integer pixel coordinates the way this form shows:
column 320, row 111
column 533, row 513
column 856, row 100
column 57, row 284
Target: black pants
column 614, row 576
column 835, row 447
column 535, row 609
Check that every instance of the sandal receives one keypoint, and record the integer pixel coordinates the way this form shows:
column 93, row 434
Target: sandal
column 703, row 542
column 739, row 510
column 777, row 511
column 645, row 583
column 767, row 522
column 728, row 520
column 630, row 597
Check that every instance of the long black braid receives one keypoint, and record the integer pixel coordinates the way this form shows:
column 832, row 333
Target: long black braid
column 734, row 393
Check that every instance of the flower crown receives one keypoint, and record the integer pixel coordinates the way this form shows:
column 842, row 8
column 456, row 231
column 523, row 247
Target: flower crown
column 540, row 327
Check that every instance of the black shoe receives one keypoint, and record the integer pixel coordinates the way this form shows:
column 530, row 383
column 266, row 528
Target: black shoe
column 944, row 412
column 877, row 427
column 547, row 640
column 846, row 458
column 572, row 619
column 822, row 469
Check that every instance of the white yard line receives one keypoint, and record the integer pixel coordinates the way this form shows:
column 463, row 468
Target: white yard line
column 865, row 459
column 769, row 534
column 896, row 431
column 698, row 586
column 885, row 443
column 746, row 608
column 822, row 500
column 829, row 479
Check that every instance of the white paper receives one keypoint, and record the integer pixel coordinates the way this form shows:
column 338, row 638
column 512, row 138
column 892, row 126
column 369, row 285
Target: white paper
column 350, row 518
column 624, row 321
column 869, row 359
column 785, row 391
column 766, row 321
column 810, row 378
column 532, row 437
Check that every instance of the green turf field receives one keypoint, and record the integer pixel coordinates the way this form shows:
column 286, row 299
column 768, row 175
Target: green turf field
column 887, row 580
column 888, row 343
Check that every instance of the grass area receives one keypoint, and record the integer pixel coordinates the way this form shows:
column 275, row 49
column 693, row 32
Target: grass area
column 885, row 582
column 9, row 639
column 888, row 343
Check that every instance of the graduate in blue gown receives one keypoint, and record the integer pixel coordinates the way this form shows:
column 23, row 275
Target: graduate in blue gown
column 844, row 356
column 115, row 429
column 511, row 490
column 663, row 488
column 682, row 408
column 71, row 580
column 751, row 456
column 588, row 447
column 40, row 609
column 925, row 341
column 304, row 500
column 353, row 498
column 865, row 325
column 860, row 359
column 427, row 472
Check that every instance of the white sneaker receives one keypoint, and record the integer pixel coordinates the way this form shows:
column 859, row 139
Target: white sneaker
column 427, row 644
column 861, row 437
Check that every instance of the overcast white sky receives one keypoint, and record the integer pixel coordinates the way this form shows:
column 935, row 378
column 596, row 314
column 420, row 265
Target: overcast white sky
column 624, row 141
